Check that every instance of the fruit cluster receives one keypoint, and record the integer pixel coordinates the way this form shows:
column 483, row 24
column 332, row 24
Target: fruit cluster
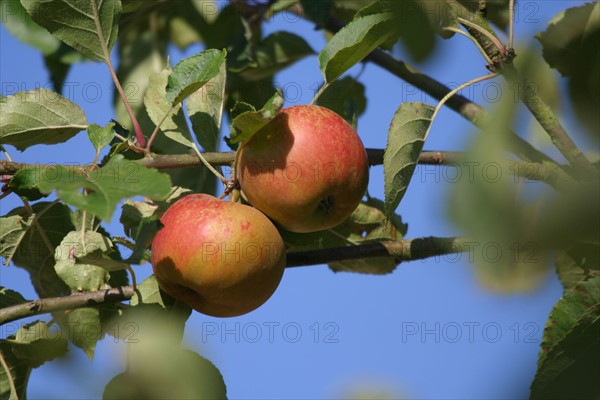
column 306, row 170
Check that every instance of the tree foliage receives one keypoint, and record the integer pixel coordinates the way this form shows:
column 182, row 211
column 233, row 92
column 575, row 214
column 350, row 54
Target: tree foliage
column 59, row 238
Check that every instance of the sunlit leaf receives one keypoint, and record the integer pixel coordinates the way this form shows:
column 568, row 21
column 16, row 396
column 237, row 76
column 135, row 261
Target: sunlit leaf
column 107, row 186
column 157, row 106
column 19, row 23
column 191, row 73
column 75, row 22
column 248, row 123
column 36, row 344
column 100, row 136
column 354, row 42
column 82, row 327
column 39, row 117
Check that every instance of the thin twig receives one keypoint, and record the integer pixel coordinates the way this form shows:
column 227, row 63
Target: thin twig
column 484, row 32
column 452, row 93
column 511, row 21
column 157, row 129
column 138, row 130
column 11, row 382
column 471, row 38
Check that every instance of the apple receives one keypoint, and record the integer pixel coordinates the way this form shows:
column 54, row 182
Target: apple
column 221, row 258
column 307, row 169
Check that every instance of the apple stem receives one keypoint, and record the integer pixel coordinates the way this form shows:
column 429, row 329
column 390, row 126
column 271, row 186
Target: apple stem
column 320, row 92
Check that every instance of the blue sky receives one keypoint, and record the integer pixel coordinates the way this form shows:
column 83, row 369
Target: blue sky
column 428, row 330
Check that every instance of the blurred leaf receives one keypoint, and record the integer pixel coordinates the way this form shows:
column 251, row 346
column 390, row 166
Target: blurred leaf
column 248, row 123
column 29, row 247
column 568, row 363
column 19, row 372
column 354, row 42
column 100, row 136
column 191, row 73
column 577, row 264
column 82, row 327
column 178, row 374
column 154, row 308
column 24, row 183
column 415, row 21
column 19, row 23
column 175, row 125
column 367, row 224
column 74, row 22
column 107, row 186
column 35, row 344
column 9, row 297
column 570, row 45
column 406, row 138
column 274, row 53
column 507, row 254
column 39, row 117
column 317, row 11
column 346, row 97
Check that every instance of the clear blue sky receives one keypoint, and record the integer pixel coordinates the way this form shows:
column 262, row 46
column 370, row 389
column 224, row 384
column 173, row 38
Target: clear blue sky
column 371, row 329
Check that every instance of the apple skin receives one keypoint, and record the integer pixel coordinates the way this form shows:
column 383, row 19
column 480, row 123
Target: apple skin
column 307, row 169
column 221, row 258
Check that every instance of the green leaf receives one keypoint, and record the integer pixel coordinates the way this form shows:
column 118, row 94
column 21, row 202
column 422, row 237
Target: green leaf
column 565, row 40
column 406, row 138
column 39, row 117
column 508, row 255
column 367, row 224
column 205, row 110
column 166, row 372
column 101, row 136
column 75, row 22
column 82, row 327
column 568, row 362
column 346, row 97
column 9, row 297
column 248, row 123
column 175, row 125
column 82, row 264
column 32, row 246
column 277, row 51
column 191, row 73
column 35, row 344
column 149, row 293
column 19, row 372
column 12, row 231
column 317, row 11
column 107, row 186
column 24, row 183
column 570, row 45
column 19, row 23
column 154, row 307
column 354, row 42
column 577, row 264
